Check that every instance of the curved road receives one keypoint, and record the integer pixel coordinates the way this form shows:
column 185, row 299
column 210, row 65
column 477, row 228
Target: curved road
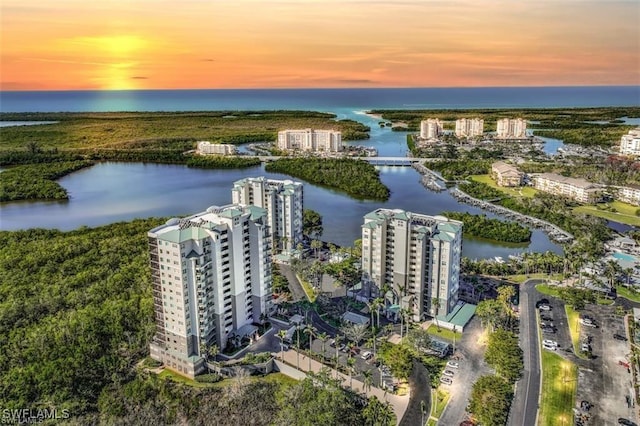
column 420, row 385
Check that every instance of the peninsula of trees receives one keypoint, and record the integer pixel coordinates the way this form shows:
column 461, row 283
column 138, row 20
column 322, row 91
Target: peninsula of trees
column 492, row 229
column 355, row 177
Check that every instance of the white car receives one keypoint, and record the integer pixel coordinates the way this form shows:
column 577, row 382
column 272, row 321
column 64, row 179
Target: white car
column 448, row 373
column 550, row 342
column 446, row 380
column 545, row 307
column 550, row 347
column 366, row 355
column 453, row 364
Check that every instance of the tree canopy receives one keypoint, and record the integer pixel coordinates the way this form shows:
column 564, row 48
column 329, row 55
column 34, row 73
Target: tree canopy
column 491, row 400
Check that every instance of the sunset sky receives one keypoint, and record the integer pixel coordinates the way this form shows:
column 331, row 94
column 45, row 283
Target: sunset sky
column 165, row 44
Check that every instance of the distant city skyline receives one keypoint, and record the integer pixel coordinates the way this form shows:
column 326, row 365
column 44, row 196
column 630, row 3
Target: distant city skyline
column 193, row 44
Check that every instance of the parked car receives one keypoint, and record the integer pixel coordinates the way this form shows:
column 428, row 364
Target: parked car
column 332, row 343
column 626, row 422
column 453, row 364
column 545, row 307
column 585, row 347
column 366, row 355
column 546, row 318
column 448, row 373
column 549, row 347
column 550, row 342
column 542, row 302
column 446, row 380
column 619, row 337
column 342, row 348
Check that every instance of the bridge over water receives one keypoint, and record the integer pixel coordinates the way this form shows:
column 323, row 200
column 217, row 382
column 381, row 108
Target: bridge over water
column 376, row 161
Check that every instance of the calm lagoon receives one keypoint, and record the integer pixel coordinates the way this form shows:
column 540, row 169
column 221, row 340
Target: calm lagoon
column 111, row 192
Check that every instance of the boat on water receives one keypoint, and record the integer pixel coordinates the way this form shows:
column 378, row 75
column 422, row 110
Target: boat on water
column 498, row 259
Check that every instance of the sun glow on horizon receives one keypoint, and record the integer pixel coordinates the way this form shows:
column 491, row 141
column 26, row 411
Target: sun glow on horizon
column 148, row 44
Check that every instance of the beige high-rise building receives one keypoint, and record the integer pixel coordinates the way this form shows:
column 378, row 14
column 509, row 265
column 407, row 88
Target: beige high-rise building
column 469, row 127
column 511, row 128
column 416, row 256
column 431, row 128
column 283, row 200
column 211, row 277
column 310, row 140
column 630, row 143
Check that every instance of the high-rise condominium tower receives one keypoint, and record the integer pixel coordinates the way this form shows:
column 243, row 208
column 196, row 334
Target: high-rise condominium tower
column 211, row 275
column 283, row 200
column 415, row 258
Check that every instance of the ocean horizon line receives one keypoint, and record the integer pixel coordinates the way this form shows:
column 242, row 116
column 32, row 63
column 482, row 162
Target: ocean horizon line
column 326, row 88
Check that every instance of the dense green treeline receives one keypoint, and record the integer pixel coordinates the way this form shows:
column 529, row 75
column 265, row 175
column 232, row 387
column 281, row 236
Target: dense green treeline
column 75, row 313
column 459, row 169
column 589, row 135
column 355, row 177
column 493, row 229
column 37, row 181
column 164, row 130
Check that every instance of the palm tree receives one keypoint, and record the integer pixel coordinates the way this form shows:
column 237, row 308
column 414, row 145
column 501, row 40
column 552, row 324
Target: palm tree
column 628, row 272
column 204, row 353
column 323, row 338
column 315, row 245
column 311, row 331
column 435, row 302
column 367, row 380
column 611, row 271
column 351, row 363
column 377, row 303
column 298, row 345
column 281, row 335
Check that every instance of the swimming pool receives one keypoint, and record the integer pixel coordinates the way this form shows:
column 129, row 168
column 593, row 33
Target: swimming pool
column 625, row 257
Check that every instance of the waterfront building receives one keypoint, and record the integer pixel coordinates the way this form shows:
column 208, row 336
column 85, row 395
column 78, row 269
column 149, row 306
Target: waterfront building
column 283, row 200
column 211, row 278
column 469, row 127
column 430, row 129
column 629, row 194
column 206, row 147
column 577, row 189
column 511, row 128
column 310, row 140
column 506, row 174
column 630, row 143
column 415, row 256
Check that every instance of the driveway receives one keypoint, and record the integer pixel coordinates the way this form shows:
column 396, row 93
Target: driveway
column 419, row 383
column 297, row 293
column 472, row 366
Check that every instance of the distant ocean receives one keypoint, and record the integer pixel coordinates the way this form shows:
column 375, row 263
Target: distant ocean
column 334, row 100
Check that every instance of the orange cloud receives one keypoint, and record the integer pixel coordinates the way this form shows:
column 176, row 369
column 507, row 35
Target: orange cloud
column 128, row 44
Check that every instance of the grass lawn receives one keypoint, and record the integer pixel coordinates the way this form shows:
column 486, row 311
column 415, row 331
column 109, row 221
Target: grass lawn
column 559, row 384
column 309, row 291
column 549, row 290
column 171, row 375
column 440, row 402
column 573, row 321
column 520, row 278
column 443, row 333
column 625, row 213
column 526, row 192
column 628, row 293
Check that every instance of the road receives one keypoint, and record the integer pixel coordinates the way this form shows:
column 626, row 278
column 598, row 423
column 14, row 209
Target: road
column 524, row 410
column 297, row 293
column 420, row 385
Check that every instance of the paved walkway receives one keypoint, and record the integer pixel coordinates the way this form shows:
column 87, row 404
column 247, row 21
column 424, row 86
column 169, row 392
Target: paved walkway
column 398, row 403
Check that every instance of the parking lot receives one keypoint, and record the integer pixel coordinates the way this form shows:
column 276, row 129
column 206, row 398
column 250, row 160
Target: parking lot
column 602, row 381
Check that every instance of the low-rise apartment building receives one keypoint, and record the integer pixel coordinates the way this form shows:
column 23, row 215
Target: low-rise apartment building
column 511, row 128
column 629, row 194
column 630, row 143
column 577, row 189
column 206, row 147
column 506, row 174
column 415, row 257
column 211, row 279
column 309, row 140
column 469, row 127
